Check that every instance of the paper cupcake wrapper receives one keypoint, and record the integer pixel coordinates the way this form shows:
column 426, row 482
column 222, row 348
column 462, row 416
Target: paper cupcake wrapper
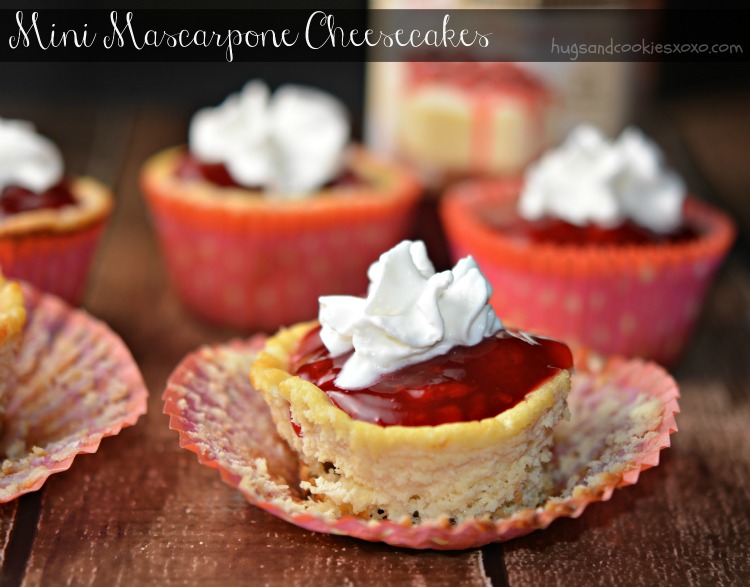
column 77, row 383
column 623, row 413
column 57, row 263
column 258, row 264
column 634, row 301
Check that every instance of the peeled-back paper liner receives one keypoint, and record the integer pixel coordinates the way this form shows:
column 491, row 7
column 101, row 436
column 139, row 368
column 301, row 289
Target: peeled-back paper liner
column 77, row 383
column 623, row 412
column 628, row 300
column 257, row 263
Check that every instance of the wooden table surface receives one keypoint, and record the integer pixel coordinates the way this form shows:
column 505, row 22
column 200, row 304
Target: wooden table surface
column 142, row 511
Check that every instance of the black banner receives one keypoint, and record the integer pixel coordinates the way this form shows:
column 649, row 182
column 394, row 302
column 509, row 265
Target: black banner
column 375, row 35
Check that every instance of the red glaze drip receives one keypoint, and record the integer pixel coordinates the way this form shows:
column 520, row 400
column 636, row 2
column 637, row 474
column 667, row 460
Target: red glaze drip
column 190, row 167
column 465, row 384
column 15, row 199
column 559, row 232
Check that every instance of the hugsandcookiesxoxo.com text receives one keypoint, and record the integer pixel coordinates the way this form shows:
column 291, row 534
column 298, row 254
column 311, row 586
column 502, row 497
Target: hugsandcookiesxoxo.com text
column 320, row 31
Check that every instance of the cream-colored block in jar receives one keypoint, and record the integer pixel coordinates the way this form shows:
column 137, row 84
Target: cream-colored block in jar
column 513, row 143
column 436, row 128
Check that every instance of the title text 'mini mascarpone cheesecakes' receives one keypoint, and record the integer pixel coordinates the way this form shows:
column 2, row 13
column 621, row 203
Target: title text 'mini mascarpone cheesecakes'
column 599, row 244
column 50, row 222
column 270, row 206
column 414, row 402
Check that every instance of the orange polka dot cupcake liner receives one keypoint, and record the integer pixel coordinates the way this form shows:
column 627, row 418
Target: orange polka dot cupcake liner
column 632, row 300
column 243, row 260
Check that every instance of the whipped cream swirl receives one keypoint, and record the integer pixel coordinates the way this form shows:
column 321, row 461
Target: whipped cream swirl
column 291, row 143
column 410, row 315
column 590, row 180
column 27, row 159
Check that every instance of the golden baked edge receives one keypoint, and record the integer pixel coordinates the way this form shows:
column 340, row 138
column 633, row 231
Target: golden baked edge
column 12, row 310
column 383, row 181
column 94, row 203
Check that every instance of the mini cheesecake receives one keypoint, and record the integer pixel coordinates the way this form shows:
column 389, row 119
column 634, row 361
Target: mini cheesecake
column 473, row 441
column 255, row 260
column 49, row 238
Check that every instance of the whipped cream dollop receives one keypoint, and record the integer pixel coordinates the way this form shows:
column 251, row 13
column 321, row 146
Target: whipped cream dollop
column 410, row 315
column 27, row 159
column 291, row 143
column 591, row 180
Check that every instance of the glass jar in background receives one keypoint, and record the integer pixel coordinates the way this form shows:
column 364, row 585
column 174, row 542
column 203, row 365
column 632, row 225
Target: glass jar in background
column 453, row 120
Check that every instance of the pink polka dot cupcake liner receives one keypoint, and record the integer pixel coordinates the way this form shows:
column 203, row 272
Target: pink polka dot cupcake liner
column 622, row 415
column 631, row 300
column 239, row 259
column 57, row 263
column 76, row 384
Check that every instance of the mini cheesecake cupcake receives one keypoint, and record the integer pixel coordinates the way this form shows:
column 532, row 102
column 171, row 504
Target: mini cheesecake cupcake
column 50, row 223
column 270, row 206
column 599, row 244
column 414, row 403
column 12, row 319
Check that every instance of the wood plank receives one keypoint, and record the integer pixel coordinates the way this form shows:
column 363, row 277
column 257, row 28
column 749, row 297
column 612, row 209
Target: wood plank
column 7, row 516
column 141, row 510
